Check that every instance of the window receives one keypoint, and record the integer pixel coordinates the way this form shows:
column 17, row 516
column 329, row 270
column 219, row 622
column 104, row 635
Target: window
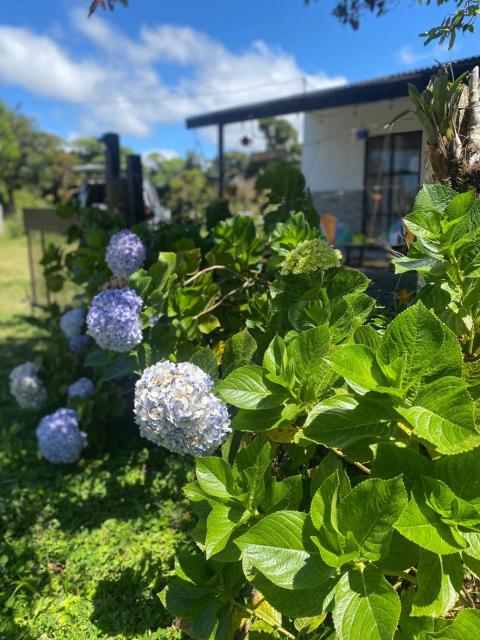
column 392, row 179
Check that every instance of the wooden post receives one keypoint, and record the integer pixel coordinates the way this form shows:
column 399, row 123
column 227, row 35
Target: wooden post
column 136, row 207
column 112, row 155
column 113, row 187
column 221, row 174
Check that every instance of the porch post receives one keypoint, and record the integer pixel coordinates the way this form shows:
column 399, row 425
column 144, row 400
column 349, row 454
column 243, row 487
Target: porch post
column 220, row 161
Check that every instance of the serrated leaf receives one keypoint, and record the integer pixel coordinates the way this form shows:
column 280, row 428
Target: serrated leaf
column 247, row 388
column 358, row 365
column 461, row 473
column 221, row 523
column 279, row 547
column 443, row 415
column 439, row 581
column 366, row 606
column 369, row 513
column 308, row 349
column 392, row 460
column 422, row 343
column 215, row 477
column 465, row 627
column 206, row 360
column 341, row 420
column 238, row 351
column 422, row 525
column 257, row 420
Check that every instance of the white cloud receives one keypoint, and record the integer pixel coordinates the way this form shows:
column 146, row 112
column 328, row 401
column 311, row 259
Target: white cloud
column 37, row 63
column 409, row 56
column 119, row 82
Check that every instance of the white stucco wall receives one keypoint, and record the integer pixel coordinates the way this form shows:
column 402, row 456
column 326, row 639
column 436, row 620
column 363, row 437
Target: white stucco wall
column 332, row 157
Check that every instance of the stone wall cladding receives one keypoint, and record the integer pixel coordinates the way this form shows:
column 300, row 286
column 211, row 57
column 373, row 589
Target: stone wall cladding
column 347, row 206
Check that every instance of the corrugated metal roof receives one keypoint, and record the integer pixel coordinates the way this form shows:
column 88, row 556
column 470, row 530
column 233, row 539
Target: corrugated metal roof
column 383, row 88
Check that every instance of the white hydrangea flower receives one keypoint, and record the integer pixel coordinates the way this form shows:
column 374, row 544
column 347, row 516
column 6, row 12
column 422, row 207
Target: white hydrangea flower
column 176, row 409
column 310, row 256
column 71, row 322
column 26, row 386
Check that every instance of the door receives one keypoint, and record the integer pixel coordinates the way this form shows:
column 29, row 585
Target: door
column 392, row 180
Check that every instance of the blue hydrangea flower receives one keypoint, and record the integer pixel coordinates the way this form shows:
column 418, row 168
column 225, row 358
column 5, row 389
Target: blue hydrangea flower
column 77, row 344
column 125, row 253
column 81, row 389
column 71, row 322
column 176, row 409
column 59, row 438
column 113, row 319
column 27, row 387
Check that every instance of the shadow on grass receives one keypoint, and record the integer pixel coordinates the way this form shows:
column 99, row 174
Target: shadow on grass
column 157, row 480
column 129, row 604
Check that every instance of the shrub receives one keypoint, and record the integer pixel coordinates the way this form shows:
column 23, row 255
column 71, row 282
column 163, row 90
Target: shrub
column 346, row 501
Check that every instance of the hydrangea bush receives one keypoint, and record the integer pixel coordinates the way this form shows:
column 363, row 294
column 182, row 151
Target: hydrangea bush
column 337, row 453
column 26, row 386
column 59, row 438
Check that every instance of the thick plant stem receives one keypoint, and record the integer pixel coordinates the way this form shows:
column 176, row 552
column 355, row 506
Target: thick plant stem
column 359, row 465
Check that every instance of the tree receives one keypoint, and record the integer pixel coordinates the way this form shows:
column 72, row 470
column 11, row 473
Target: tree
column 461, row 20
column 30, row 158
column 183, row 185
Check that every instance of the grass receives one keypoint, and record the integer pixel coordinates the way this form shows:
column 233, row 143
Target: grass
column 84, row 548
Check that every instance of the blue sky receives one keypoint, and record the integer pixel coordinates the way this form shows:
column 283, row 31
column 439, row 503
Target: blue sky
column 141, row 71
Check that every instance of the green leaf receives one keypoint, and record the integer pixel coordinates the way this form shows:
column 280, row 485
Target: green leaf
column 276, row 363
column 358, row 365
column 422, row 343
column 257, row 420
column 461, row 473
column 336, row 547
column 341, row 420
column 392, row 460
column 285, row 494
column 294, row 603
column 206, row 360
column 279, row 546
column 369, row 513
column 215, row 477
column 443, row 416
column 464, row 627
column 238, row 351
column 208, row 323
column 366, row 606
column 308, row 349
column 221, row 523
column 420, row 524
column 402, row 555
column 451, row 508
column 253, row 465
column 439, row 581
column 247, row 388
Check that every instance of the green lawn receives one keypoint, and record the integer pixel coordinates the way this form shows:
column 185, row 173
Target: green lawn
column 83, row 549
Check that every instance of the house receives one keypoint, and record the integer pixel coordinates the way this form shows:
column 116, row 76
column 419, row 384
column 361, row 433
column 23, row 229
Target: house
column 363, row 174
